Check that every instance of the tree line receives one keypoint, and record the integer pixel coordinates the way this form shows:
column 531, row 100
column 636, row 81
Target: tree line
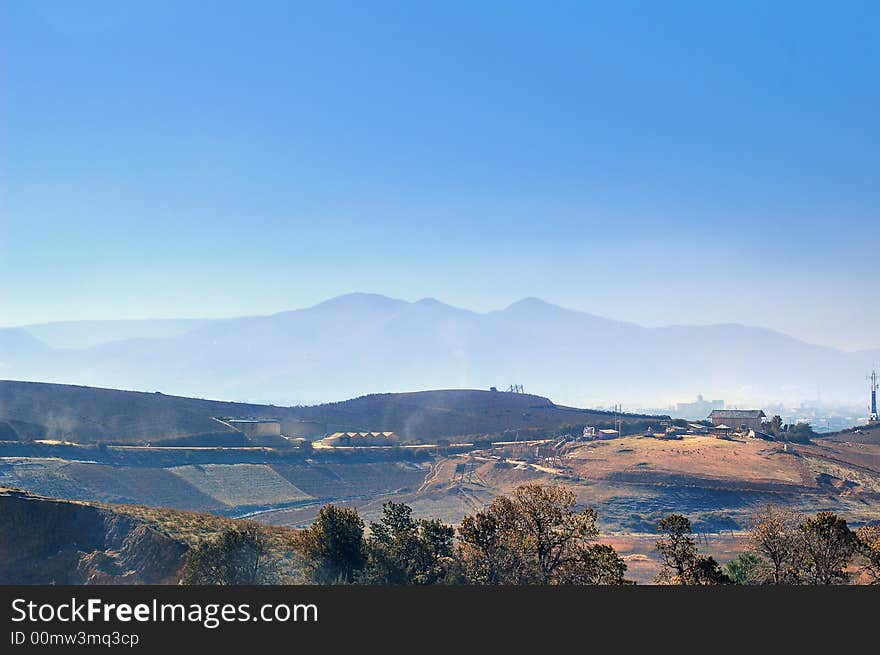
column 536, row 535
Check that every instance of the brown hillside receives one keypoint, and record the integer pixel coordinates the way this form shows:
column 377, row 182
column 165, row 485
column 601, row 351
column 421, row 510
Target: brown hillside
column 90, row 415
column 68, row 542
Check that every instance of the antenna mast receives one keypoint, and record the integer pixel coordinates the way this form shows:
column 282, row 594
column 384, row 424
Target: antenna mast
column 873, row 417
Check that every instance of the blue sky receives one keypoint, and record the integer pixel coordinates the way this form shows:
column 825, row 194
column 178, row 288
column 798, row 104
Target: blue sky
column 676, row 162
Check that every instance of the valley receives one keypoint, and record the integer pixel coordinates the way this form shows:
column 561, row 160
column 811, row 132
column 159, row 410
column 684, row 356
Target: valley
column 631, row 478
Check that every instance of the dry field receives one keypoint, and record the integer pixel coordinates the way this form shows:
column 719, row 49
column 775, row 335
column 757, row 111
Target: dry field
column 744, row 461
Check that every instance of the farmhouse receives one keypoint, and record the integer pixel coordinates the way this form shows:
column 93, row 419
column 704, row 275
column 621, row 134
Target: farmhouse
column 737, row 419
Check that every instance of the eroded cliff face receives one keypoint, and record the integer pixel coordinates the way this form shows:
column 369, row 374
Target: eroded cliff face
column 46, row 541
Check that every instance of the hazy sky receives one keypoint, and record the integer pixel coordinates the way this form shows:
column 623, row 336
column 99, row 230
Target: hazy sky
column 674, row 162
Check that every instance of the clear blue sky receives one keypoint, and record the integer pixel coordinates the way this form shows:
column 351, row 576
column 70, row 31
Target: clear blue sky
column 674, row 162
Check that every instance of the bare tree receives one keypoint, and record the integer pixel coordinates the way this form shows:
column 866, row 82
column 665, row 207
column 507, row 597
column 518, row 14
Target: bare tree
column 776, row 537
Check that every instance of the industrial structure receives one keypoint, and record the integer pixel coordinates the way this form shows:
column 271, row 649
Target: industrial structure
column 873, row 418
column 256, row 427
column 359, row 440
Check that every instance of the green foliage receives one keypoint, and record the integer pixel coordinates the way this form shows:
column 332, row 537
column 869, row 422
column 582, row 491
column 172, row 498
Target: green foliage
column 682, row 563
column 237, row 557
column 747, row 569
column 827, row 545
column 403, row 551
column 776, row 426
column 800, row 432
column 333, row 548
column 534, row 536
column 596, row 564
column 678, row 547
column 707, row 571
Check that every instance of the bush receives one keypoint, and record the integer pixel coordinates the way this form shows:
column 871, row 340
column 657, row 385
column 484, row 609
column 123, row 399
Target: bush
column 239, row 556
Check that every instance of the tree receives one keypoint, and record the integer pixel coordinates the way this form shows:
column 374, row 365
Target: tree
column 678, row 548
column 403, row 551
column 536, row 537
column 776, row 426
column 596, row 564
column 489, row 554
column 239, row 556
column 869, row 549
column 775, row 536
column 746, row 569
column 333, row 546
column 707, row 571
column 549, row 525
column 682, row 563
column 800, row 432
column 828, row 546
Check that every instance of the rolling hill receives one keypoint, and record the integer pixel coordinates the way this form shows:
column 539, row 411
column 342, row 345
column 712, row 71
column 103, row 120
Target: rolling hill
column 91, row 415
column 355, row 344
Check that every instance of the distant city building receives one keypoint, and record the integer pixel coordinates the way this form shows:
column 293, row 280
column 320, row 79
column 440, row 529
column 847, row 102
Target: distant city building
column 737, row 419
column 699, row 408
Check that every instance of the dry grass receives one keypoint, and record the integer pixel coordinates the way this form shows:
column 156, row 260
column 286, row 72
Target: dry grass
column 193, row 528
column 697, row 456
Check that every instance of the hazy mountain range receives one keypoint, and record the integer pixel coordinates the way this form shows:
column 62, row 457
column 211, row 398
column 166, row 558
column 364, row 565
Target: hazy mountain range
column 362, row 343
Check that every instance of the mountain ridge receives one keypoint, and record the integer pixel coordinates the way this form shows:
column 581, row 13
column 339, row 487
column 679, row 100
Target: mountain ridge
column 36, row 329
column 360, row 343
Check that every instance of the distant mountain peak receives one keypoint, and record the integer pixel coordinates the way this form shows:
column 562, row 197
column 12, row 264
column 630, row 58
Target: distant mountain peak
column 533, row 304
column 361, row 299
column 531, row 301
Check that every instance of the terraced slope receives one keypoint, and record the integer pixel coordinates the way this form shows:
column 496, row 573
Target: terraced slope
column 58, row 478
column 238, row 485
